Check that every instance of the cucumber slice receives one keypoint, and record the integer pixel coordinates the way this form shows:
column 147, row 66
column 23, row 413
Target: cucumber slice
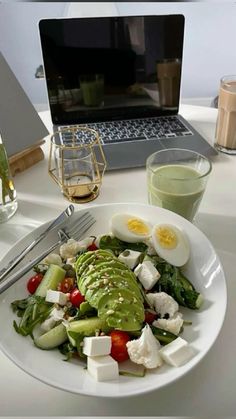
column 54, row 275
column 86, row 327
column 53, row 338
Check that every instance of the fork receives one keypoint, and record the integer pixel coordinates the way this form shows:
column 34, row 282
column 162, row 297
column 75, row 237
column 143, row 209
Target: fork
column 76, row 230
column 59, row 220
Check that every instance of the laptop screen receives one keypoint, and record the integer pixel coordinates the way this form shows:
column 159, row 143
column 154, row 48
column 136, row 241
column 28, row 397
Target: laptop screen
column 110, row 68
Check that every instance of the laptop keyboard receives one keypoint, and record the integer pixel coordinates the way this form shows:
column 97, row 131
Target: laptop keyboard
column 139, row 129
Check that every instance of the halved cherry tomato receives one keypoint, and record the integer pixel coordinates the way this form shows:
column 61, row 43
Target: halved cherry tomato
column 92, row 246
column 66, row 285
column 118, row 345
column 76, row 298
column 150, row 317
column 34, row 282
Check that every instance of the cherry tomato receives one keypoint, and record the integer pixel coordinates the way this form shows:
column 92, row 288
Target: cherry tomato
column 92, row 246
column 118, row 345
column 66, row 285
column 34, row 282
column 150, row 317
column 76, row 298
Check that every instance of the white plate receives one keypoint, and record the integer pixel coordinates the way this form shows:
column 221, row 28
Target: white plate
column 203, row 269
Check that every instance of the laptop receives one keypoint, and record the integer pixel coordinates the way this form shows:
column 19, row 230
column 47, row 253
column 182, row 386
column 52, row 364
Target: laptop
column 122, row 77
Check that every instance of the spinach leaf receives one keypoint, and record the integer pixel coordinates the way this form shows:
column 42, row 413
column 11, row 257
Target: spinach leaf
column 31, row 310
column 118, row 246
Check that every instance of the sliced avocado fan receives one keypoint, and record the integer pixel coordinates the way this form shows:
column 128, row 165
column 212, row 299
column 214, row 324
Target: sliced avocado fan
column 110, row 287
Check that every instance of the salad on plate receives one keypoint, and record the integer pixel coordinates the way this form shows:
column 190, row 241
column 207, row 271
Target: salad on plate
column 114, row 301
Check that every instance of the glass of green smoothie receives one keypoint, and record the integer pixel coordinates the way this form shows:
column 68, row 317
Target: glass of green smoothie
column 177, row 180
column 92, row 88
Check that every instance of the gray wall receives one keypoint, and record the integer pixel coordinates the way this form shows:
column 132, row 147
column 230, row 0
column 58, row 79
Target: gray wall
column 209, row 51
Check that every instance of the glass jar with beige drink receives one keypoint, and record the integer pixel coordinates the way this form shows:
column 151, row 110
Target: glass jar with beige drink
column 177, row 180
column 226, row 121
column 168, row 78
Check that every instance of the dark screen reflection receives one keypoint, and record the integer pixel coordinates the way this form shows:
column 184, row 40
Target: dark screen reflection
column 100, row 68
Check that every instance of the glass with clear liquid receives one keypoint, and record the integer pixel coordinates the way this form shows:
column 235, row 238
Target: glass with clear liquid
column 8, row 201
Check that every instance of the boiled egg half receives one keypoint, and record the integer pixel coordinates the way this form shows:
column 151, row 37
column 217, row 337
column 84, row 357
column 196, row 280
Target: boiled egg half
column 171, row 244
column 130, row 228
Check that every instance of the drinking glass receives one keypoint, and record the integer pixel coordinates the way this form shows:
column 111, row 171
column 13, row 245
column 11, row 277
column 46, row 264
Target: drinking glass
column 8, row 201
column 177, row 180
column 92, row 87
column 226, row 120
column 168, row 76
column 77, row 163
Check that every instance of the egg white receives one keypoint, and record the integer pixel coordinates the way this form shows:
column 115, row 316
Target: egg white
column 177, row 256
column 119, row 228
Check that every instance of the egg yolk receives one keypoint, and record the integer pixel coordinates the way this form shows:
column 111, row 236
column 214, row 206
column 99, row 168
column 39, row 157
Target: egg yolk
column 166, row 237
column 137, row 226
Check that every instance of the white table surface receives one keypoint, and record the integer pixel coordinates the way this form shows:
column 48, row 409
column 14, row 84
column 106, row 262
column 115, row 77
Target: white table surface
column 208, row 390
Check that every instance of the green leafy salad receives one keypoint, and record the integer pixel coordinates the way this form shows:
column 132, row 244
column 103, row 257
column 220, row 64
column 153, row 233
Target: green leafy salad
column 113, row 298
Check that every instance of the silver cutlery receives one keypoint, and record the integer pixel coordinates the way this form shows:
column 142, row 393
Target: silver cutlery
column 75, row 231
column 58, row 221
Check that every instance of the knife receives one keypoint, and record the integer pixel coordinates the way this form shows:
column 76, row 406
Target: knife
column 56, row 223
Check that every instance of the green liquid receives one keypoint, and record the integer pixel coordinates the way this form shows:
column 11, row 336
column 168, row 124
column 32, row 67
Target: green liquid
column 177, row 188
column 93, row 92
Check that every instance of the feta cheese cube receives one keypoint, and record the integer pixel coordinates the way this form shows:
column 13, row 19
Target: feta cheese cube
column 56, row 297
column 147, row 274
column 129, row 257
column 97, row 345
column 177, row 353
column 103, row 368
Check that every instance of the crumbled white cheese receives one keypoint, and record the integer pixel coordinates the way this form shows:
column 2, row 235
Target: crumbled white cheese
column 173, row 325
column 69, row 249
column 57, row 314
column 150, row 247
column 129, row 257
column 52, row 259
column 72, row 247
column 48, row 324
column 163, row 303
column 71, row 261
column 147, row 274
column 145, row 350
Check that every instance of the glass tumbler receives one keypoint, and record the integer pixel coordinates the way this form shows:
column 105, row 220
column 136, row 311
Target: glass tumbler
column 225, row 138
column 8, row 201
column 177, row 180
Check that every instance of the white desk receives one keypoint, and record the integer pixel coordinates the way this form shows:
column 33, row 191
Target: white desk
column 208, row 390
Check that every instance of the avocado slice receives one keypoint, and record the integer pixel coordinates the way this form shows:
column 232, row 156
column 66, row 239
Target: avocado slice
column 111, row 287
column 121, row 309
column 125, row 319
column 100, row 287
column 106, row 275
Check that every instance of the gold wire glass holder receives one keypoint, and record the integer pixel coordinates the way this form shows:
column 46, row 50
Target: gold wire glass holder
column 77, row 163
